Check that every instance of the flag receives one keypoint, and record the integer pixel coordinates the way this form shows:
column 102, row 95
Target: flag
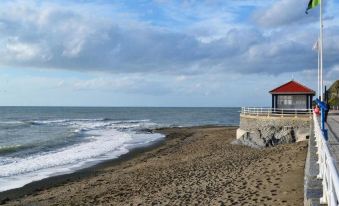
column 312, row 4
column 316, row 46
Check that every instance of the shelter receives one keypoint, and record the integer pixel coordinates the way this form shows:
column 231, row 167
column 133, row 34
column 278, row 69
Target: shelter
column 292, row 95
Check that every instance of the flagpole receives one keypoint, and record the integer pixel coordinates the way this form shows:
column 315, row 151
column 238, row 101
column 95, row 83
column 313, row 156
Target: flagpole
column 321, row 51
column 318, row 49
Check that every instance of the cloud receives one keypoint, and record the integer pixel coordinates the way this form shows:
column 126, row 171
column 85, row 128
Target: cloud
column 110, row 38
column 285, row 12
column 219, row 89
column 18, row 51
column 125, row 84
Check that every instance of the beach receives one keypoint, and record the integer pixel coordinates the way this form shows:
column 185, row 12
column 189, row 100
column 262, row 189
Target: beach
column 191, row 166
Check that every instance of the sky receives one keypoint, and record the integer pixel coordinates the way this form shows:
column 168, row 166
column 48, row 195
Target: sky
column 160, row 52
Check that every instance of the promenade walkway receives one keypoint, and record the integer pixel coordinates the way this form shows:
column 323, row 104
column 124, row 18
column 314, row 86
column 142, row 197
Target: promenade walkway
column 333, row 134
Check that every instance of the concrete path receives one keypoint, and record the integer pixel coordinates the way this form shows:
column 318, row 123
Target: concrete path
column 333, row 135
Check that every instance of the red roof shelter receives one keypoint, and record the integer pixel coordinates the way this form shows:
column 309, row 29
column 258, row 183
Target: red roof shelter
column 292, row 95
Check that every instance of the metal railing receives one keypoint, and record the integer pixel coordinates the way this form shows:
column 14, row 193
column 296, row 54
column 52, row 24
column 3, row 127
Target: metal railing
column 327, row 169
column 266, row 111
column 336, row 108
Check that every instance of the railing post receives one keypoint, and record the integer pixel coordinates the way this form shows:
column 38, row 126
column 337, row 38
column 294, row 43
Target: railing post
column 310, row 112
column 295, row 113
column 323, row 199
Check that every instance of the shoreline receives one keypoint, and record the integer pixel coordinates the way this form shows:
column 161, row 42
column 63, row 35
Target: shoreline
column 191, row 165
column 86, row 172
column 93, row 170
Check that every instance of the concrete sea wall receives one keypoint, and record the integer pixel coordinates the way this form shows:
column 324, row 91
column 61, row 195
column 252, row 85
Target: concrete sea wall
column 264, row 131
column 312, row 185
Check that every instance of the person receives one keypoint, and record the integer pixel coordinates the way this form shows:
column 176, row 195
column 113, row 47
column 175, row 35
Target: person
column 326, row 111
column 317, row 110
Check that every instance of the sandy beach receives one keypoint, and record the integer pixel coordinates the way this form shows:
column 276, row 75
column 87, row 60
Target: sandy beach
column 191, row 166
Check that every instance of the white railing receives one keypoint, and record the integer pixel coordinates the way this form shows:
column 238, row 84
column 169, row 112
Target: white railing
column 327, row 169
column 334, row 108
column 266, row 111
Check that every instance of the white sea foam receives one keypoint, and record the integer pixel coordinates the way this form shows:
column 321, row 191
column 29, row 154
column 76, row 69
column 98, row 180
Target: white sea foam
column 102, row 141
column 11, row 122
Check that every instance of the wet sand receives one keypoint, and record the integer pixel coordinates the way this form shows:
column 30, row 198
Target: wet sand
column 192, row 166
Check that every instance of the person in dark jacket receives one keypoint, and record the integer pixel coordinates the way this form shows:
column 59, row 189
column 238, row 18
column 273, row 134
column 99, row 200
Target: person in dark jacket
column 326, row 111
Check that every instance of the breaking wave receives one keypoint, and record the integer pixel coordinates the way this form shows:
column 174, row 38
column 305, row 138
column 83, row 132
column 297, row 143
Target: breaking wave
column 101, row 139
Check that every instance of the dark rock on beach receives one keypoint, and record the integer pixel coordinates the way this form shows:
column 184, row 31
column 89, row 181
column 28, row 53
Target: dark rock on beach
column 267, row 137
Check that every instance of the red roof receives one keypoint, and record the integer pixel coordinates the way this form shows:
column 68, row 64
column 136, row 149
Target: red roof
column 292, row 87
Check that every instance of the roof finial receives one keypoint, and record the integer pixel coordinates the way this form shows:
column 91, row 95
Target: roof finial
column 292, row 77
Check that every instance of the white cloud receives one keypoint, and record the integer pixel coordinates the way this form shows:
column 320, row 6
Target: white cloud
column 78, row 37
column 15, row 50
column 284, row 12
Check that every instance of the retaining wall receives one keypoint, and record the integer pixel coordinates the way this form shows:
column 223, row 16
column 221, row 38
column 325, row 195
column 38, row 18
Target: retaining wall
column 263, row 131
column 312, row 185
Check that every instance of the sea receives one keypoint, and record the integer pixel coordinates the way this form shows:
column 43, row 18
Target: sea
column 40, row 142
